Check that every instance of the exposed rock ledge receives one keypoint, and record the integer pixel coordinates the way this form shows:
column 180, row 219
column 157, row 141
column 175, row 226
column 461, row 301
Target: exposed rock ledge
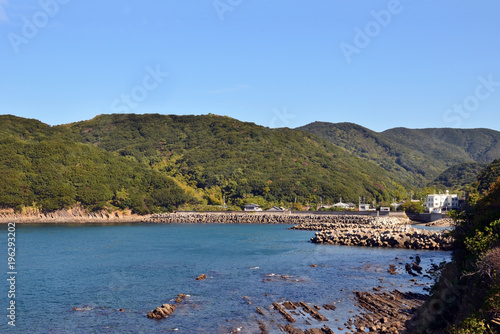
column 73, row 215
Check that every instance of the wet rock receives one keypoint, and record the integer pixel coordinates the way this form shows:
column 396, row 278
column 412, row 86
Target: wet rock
column 283, row 312
column 291, row 330
column 162, row 311
column 392, row 269
column 386, row 312
column 262, row 328
column 314, row 313
column 329, row 307
column 180, row 298
column 416, row 267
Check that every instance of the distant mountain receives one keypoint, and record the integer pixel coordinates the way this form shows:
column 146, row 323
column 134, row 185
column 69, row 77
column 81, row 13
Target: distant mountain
column 417, row 156
column 221, row 156
column 450, row 145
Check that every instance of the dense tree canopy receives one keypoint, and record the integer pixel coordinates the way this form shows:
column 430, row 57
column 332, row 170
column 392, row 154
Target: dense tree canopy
column 55, row 174
column 157, row 162
column 223, row 157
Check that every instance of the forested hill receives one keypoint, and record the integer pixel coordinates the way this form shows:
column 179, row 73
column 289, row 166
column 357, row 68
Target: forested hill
column 41, row 168
column 414, row 155
column 458, row 176
column 151, row 163
column 223, row 157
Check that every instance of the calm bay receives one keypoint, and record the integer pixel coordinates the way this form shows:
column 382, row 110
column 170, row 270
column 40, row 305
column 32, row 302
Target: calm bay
column 99, row 269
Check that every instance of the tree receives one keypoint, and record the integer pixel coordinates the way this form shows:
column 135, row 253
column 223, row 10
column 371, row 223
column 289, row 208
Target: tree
column 412, row 207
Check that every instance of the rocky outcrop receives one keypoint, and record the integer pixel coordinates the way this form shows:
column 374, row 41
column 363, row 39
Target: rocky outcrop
column 162, row 311
column 386, row 312
column 165, row 310
column 73, row 215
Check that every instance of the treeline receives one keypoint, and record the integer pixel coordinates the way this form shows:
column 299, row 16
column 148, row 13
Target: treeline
column 54, row 174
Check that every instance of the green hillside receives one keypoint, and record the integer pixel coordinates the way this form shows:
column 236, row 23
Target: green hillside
column 223, row 157
column 458, row 176
column 488, row 176
column 450, row 145
column 152, row 163
column 418, row 156
column 41, row 168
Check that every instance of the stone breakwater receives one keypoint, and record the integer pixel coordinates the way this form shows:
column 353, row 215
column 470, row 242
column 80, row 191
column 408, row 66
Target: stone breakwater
column 323, row 220
column 381, row 232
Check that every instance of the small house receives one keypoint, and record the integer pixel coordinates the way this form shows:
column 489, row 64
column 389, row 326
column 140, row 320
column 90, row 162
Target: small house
column 252, row 207
column 276, row 209
column 364, row 207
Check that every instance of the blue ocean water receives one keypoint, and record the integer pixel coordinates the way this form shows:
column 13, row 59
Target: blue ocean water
column 101, row 268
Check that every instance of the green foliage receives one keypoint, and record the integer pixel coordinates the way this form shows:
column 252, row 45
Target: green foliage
column 474, row 324
column 488, row 176
column 50, row 173
column 412, row 207
column 226, row 158
column 483, row 240
column 458, row 176
column 473, row 275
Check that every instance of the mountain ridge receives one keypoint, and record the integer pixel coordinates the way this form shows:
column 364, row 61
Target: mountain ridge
column 415, row 155
column 214, row 159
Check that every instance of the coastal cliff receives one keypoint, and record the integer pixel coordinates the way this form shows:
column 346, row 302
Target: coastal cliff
column 72, row 215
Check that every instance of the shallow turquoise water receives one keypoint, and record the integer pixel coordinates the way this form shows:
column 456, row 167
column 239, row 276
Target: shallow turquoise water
column 102, row 268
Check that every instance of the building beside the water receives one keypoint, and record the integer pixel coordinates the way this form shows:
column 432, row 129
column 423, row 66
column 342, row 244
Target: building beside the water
column 441, row 202
column 365, row 207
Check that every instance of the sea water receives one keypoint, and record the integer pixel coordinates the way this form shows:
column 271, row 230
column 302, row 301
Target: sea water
column 100, row 269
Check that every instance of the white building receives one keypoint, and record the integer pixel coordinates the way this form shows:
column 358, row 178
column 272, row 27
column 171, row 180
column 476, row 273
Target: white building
column 341, row 205
column 364, row 207
column 439, row 202
column 252, row 207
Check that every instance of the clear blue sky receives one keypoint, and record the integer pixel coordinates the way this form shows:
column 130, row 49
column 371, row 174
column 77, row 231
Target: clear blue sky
column 380, row 64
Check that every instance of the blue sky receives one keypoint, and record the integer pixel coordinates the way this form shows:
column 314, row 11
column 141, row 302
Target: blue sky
column 380, row 64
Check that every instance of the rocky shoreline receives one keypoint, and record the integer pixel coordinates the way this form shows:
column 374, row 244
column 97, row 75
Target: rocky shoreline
column 73, row 215
column 378, row 232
